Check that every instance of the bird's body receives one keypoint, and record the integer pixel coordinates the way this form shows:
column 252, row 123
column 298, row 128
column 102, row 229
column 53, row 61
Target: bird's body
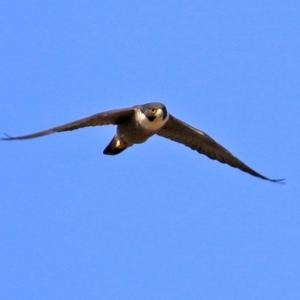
column 136, row 130
column 138, row 123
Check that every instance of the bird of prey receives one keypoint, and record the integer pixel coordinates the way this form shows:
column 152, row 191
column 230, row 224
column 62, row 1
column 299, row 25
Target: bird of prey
column 138, row 123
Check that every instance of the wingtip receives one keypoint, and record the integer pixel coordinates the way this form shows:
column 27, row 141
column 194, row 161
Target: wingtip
column 280, row 181
column 7, row 138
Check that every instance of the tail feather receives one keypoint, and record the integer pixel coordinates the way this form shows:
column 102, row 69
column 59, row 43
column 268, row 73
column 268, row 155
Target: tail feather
column 115, row 146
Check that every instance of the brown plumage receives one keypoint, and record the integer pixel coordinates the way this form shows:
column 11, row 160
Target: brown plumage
column 136, row 124
column 198, row 140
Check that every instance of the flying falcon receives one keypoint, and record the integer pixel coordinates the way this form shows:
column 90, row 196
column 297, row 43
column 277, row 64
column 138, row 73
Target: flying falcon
column 136, row 124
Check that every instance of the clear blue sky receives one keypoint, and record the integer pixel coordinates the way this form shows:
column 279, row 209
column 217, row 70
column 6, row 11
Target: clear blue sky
column 158, row 221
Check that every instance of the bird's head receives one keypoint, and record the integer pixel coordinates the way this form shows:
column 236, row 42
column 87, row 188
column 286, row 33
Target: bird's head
column 154, row 111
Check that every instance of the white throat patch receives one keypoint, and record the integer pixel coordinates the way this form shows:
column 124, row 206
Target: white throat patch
column 154, row 125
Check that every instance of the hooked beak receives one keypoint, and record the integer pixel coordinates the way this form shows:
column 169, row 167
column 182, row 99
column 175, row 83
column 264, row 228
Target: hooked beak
column 162, row 113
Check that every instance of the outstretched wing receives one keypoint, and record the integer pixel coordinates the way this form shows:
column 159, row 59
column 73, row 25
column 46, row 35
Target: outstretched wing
column 198, row 140
column 112, row 117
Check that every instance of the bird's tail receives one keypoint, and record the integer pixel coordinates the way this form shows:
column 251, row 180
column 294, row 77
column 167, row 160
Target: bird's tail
column 116, row 146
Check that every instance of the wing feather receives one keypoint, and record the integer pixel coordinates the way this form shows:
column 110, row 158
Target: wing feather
column 112, row 117
column 198, row 140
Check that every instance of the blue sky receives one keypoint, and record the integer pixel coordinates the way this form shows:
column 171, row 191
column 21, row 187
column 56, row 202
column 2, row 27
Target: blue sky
column 158, row 221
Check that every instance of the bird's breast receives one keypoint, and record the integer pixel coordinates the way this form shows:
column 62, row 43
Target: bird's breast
column 140, row 129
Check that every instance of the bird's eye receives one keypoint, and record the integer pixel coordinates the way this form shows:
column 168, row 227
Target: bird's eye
column 153, row 110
